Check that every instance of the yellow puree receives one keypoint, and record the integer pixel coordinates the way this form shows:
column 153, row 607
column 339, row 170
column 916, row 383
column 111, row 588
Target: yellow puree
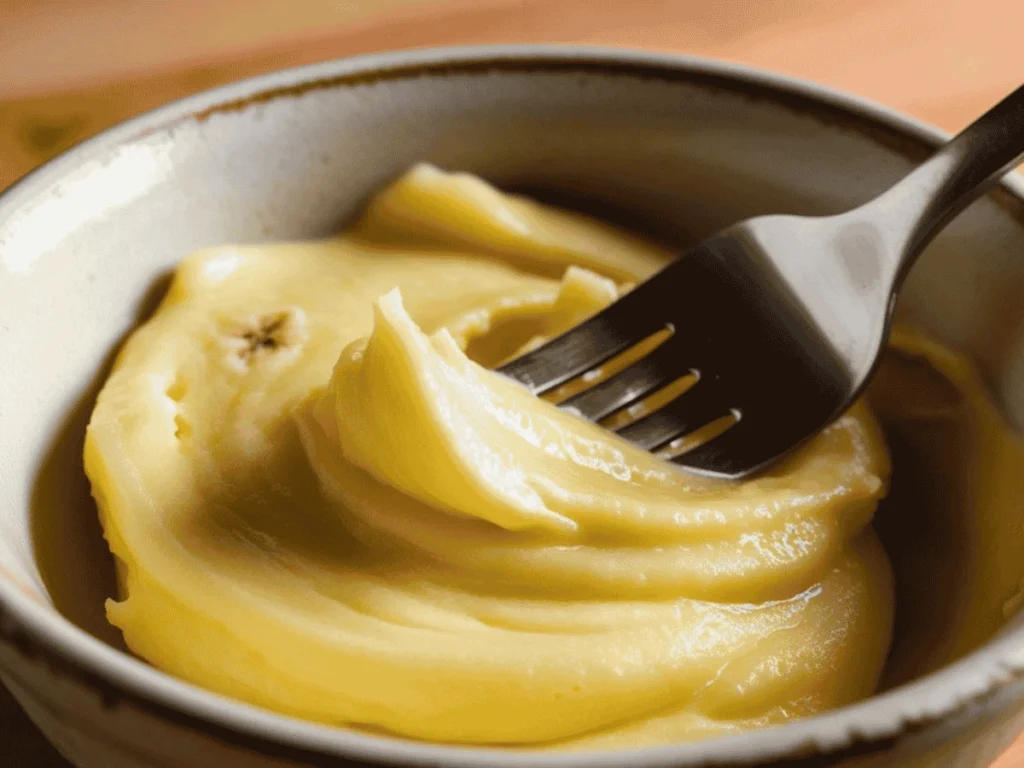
column 319, row 503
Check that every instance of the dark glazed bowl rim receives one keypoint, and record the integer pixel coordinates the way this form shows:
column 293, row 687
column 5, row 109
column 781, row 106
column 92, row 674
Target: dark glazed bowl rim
column 873, row 725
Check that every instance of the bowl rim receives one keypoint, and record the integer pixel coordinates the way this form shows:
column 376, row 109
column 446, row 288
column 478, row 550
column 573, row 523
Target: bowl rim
column 874, row 724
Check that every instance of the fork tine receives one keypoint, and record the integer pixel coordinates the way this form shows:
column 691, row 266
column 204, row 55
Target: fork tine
column 659, row 367
column 696, row 407
column 628, row 321
column 730, row 454
column 586, row 346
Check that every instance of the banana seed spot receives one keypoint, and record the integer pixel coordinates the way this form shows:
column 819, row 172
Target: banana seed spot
column 269, row 334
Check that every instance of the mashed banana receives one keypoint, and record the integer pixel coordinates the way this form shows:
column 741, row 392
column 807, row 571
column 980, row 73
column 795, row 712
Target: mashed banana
column 322, row 503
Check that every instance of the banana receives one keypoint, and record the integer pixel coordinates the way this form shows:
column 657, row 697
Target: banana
column 322, row 502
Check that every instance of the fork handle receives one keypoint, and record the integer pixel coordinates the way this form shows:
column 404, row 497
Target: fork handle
column 921, row 203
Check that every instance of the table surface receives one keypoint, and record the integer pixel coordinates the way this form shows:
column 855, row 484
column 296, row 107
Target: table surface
column 943, row 61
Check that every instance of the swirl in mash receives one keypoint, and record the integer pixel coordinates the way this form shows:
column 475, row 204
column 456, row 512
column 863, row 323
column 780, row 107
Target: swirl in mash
column 321, row 504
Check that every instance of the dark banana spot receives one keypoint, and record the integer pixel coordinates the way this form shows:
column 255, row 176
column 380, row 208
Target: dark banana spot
column 269, row 333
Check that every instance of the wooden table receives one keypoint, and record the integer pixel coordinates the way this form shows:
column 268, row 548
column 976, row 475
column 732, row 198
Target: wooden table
column 73, row 68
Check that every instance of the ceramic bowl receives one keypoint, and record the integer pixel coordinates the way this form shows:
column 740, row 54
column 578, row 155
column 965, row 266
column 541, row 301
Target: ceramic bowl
column 672, row 145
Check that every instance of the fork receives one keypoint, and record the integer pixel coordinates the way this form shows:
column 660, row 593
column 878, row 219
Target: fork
column 780, row 319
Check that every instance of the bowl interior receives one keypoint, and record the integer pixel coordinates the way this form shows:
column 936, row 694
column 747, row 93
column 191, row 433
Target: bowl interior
column 86, row 248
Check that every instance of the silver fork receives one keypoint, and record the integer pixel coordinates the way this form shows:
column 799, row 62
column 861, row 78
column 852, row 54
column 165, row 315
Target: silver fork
column 782, row 319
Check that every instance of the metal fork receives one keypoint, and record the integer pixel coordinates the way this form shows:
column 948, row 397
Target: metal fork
column 781, row 319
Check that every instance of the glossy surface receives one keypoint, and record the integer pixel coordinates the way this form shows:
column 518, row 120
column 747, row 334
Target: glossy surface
column 106, row 708
column 472, row 538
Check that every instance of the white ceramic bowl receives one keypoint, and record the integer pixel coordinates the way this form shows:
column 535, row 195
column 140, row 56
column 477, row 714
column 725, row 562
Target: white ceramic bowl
column 677, row 146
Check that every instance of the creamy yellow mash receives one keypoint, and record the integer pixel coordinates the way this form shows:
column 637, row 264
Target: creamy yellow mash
column 322, row 503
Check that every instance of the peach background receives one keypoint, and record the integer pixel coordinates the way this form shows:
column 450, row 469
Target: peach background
column 71, row 68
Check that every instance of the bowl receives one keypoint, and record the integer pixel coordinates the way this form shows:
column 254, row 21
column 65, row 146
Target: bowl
column 673, row 146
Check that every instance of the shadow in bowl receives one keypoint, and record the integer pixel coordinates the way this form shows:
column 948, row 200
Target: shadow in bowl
column 71, row 553
column 951, row 522
column 929, row 523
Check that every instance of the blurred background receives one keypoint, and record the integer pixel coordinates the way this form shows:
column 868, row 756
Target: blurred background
column 69, row 68
column 72, row 67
